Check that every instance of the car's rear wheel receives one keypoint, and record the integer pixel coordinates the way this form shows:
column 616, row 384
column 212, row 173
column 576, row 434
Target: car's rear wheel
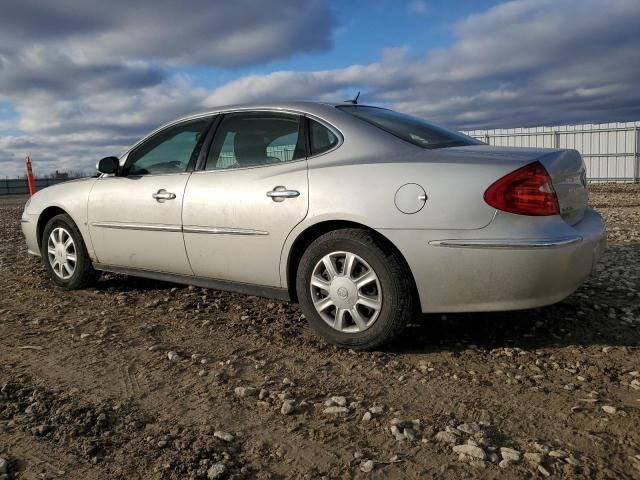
column 354, row 289
column 65, row 255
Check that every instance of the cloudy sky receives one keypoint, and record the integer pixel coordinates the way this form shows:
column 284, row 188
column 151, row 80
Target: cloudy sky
column 81, row 79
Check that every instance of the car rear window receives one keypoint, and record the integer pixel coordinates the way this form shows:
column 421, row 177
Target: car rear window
column 411, row 129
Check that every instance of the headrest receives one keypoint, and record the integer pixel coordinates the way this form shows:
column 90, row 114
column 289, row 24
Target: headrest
column 250, row 149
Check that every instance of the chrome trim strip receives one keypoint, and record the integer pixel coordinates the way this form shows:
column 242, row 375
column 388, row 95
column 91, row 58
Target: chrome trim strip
column 222, row 230
column 508, row 243
column 151, row 227
column 159, row 227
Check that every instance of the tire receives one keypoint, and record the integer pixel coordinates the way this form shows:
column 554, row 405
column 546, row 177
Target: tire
column 76, row 274
column 390, row 298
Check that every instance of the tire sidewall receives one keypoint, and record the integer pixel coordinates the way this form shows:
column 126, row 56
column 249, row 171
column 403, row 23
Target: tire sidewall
column 83, row 262
column 371, row 254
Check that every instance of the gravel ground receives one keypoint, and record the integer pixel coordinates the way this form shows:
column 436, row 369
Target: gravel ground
column 142, row 379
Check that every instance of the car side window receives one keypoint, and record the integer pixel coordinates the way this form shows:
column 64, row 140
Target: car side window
column 170, row 151
column 255, row 139
column 321, row 139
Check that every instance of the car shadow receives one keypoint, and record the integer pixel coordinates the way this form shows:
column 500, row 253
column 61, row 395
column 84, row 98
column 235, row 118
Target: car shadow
column 554, row 326
column 117, row 283
column 604, row 311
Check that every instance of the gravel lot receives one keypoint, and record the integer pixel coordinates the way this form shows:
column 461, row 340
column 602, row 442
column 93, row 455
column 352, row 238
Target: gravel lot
column 142, row 379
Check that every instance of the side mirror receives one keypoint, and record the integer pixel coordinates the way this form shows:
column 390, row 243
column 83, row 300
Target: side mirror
column 108, row 165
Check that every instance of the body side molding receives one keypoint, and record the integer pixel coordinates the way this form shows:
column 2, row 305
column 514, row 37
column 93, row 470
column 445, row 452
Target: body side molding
column 154, row 227
column 222, row 230
column 178, row 228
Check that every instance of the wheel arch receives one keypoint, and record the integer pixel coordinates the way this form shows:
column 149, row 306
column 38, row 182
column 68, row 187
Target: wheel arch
column 307, row 236
column 44, row 217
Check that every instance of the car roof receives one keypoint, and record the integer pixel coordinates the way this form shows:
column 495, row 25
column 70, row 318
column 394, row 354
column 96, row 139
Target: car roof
column 302, row 106
column 322, row 110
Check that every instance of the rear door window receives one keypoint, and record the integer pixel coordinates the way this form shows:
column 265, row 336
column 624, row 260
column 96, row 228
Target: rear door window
column 256, row 139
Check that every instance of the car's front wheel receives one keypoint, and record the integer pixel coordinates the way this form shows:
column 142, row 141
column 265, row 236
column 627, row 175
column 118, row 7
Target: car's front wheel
column 354, row 289
column 64, row 254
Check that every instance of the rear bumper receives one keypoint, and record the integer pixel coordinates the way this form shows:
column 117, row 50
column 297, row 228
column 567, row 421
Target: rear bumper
column 486, row 270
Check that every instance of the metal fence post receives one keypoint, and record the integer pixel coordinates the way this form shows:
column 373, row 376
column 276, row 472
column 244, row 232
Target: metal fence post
column 636, row 157
column 556, row 139
column 487, row 139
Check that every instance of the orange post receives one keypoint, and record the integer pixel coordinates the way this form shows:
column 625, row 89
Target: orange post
column 30, row 180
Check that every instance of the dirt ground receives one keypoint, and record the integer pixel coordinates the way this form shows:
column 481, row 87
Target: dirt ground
column 142, row 379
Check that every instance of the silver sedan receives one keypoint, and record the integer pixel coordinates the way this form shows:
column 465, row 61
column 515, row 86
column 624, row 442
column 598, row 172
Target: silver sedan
column 363, row 215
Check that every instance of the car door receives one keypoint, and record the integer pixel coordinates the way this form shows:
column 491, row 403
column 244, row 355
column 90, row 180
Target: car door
column 253, row 190
column 135, row 217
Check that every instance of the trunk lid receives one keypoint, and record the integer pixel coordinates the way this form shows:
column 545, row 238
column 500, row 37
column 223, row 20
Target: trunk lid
column 565, row 167
column 569, row 178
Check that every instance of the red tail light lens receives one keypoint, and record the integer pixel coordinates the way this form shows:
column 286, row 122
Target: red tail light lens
column 526, row 191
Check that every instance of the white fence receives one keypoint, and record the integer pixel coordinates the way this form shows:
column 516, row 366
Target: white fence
column 610, row 150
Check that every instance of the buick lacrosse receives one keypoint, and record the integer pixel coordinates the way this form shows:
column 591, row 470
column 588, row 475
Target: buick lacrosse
column 363, row 215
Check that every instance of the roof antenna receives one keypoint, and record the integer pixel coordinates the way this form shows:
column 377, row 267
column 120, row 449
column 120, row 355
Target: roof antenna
column 355, row 100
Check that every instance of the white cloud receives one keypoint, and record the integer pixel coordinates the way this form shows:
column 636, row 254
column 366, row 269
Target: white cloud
column 65, row 134
column 522, row 63
column 79, row 73
column 213, row 32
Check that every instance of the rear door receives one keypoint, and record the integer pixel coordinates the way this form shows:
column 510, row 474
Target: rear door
column 135, row 218
column 252, row 192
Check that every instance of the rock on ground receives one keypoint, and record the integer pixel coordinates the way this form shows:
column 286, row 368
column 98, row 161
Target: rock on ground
column 367, row 466
column 288, row 406
column 470, row 451
column 217, row 470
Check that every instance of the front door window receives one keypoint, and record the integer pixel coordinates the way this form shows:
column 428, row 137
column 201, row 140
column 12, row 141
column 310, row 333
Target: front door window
column 173, row 150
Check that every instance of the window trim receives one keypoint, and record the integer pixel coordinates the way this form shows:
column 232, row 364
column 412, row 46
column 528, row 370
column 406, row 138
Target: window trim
column 216, row 116
column 200, row 167
column 206, row 148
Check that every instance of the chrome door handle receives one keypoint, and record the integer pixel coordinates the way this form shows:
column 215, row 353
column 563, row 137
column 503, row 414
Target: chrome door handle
column 283, row 194
column 162, row 195
column 280, row 193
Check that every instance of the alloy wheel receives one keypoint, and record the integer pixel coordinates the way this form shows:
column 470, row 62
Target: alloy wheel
column 61, row 252
column 346, row 292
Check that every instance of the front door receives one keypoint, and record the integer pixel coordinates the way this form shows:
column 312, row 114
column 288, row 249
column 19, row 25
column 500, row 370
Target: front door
column 135, row 217
column 238, row 211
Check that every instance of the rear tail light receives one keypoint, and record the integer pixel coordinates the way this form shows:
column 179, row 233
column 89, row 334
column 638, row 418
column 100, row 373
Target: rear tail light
column 526, row 191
